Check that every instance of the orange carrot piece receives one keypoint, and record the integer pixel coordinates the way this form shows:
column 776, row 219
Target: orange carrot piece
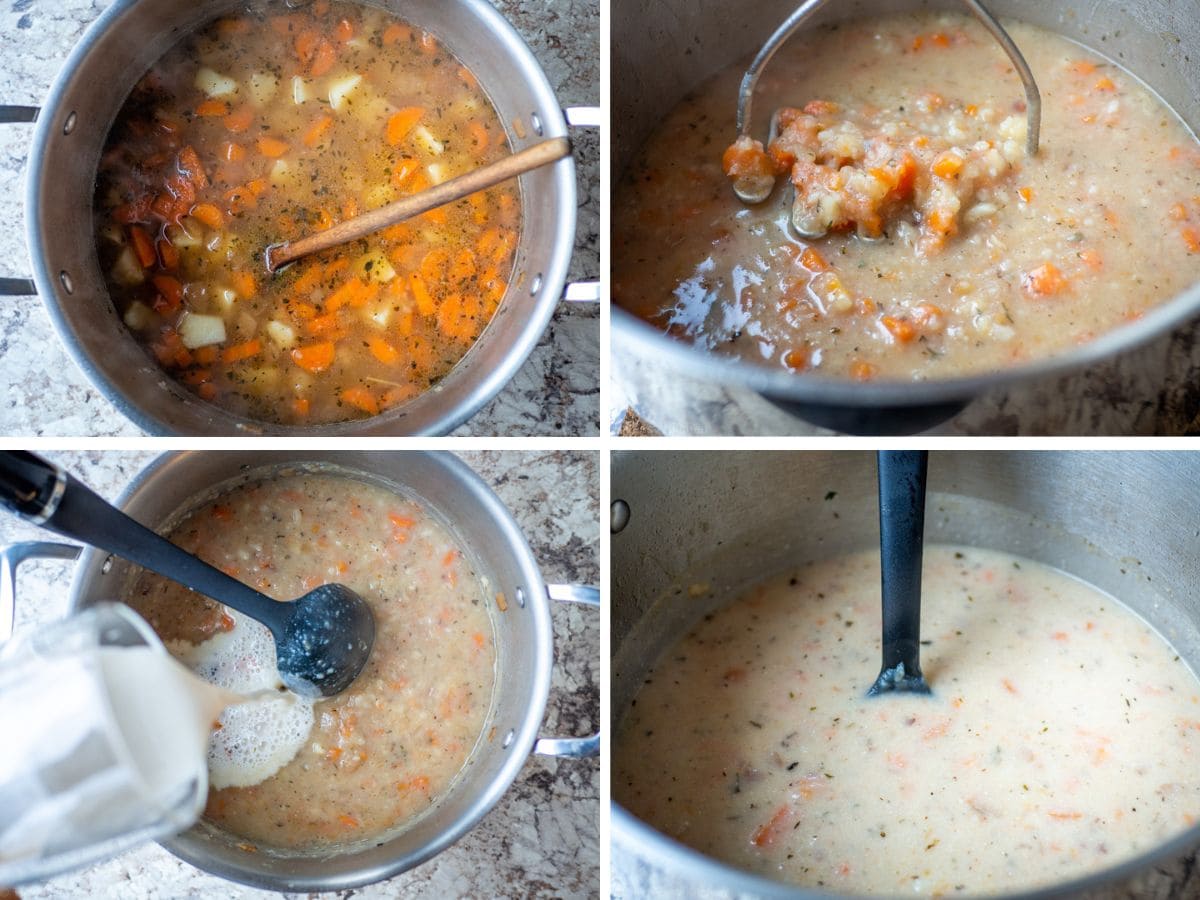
column 1091, row 259
column 315, row 358
column 300, row 406
column 900, row 329
column 231, row 152
column 309, row 279
column 429, row 44
column 1105, row 84
column 405, row 169
column 361, row 398
column 863, row 371
column 348, row 821
column 272, row 148
column 812, row 260
column 1044, row 281
column 321, row 325
column 383, row 351
column 239, row 352
column 143, row 246
column 479, row 135
column 395, row 33
column 1082, row 67
column 345, row 295
column 344, row 30
column 245, row 284
column 450, row 557
column 1026, row 194
column 170, row 289
column 323, row 59
column 425, row 304
column 948, row 165
column 316, row 131
column 1191, row 237
column 168, row 256
column 769, row 831
column 209, row 215
column 306, row 44
column 216, row 108
column 240, row 119
column 402, row 122
column 206, row 356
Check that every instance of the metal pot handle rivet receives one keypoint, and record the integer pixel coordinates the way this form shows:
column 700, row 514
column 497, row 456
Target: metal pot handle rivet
column 572, row 748
column 582, row 291
column 10, row 558
column 17, row 287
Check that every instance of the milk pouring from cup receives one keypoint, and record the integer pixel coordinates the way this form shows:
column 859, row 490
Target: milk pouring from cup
column 105, row 742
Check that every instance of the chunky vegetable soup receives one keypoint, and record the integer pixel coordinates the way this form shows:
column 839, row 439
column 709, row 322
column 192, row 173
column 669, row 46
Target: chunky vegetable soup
column 270, row 125
column 926, row 245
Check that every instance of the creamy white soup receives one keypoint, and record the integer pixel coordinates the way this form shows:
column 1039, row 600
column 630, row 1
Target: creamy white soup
column 1061, row 737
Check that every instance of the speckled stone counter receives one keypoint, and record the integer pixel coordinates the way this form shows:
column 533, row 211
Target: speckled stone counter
column 542, row 840
column 43, row 393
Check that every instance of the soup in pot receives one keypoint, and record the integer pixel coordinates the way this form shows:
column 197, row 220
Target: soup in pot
column 1059, row 739
column 373, row 758
column 273, row 124
column 927, row 244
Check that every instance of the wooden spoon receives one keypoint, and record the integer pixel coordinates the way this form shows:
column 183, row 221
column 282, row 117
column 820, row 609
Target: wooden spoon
column 548, row 151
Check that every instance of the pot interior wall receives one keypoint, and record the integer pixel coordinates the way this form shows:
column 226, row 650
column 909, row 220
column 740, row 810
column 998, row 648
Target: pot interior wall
column 1158, row 42
column 174, row 486
column 1124, row 522
column 103, row 69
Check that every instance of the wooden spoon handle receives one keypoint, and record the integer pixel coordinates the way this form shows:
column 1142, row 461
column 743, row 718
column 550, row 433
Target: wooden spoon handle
column 534, row 157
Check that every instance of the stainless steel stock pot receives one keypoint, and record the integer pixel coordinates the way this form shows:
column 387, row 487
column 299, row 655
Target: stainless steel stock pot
column 1124, row 522
column 70, row 133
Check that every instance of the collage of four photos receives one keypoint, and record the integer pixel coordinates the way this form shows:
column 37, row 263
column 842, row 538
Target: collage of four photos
column 599, row 448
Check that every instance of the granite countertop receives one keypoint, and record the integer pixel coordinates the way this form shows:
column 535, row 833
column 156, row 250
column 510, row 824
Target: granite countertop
column 556, row 392
column 1153, row 390
column 543, row 838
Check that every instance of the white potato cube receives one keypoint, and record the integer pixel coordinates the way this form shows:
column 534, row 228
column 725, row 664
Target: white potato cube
column 282, row 334
column 340, row 89
column 262, row 87
column 374, row 266
column 214, row 84
column 301, row 90
column 127, row 270
column 225, row 298
column 201, row 331
column 426, row 141
column 138, row 316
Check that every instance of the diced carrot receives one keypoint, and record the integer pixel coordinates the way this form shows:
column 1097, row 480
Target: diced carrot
column 795, row 359
column 212, row 107
column 206, row 356
column 450, row 557
column 197, row 376
column 314, row 358
column 1104, row 84
column 1009, row 686
column 402, row 122
column 396, row 32
column 322, row 325
column 344, row 30
column 231, row 152
column 1091, row 259
column 403, row 170
column 1064, row 816
column 1044, row 281
column 361, row 398
column 232, row 26
column 323, row 59
column 350, row 293
column 306, row 44
column 300, row 406
column 425, row 304
column 1082, row 67
column 207, row 391
column 240, row 119
column 901, row 330
column 383, row 351
column 401, row 521
column 1178, row 212
column 463, row 266
column 1191, row 237
column 316, row 131
column 272, row 148
column 429, row 44
column 142, row 246
column 350, row 208
column 1026, row 194
column 348, row 821
column 479, row 135
column 948, row 165
column 478, row 640
column 168, row 256
column 170, row 289
column 812, row 260
column 769, row 832
column 209, row 215
column 245, row 284
column 239, row 352
column 310, row 278
column 863, row 371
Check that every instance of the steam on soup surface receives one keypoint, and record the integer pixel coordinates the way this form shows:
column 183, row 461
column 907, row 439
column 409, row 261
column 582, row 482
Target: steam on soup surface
column 276, row 123
column 936, row 248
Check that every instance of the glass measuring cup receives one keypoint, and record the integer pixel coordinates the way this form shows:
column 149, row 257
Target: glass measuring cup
column 104, row 743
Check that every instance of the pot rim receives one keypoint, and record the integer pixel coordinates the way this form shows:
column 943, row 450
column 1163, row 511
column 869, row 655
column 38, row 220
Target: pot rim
column 486, row 384
column 639, row 839
column 164, row 466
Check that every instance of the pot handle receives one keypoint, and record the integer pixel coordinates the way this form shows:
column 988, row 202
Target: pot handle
column 582, row 291
column 16, row 287
column 572, row 748
column 10, row 558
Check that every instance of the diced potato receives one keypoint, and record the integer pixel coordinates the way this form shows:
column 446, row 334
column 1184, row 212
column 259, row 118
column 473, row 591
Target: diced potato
column 374, row 266
column 213, row 242
column 201, row 331
column 301, row 90
column 262, row 87
column 340, row 89
column 259, row 380
column 426, row 141
column 437, row 172
column 369, row 108
column 127, row 270
column 187, row 234
column 300, row 380
column 225, row 298
column 214, row 83
column 282, row 334
column 246, row 326
column 379, row 195
column 378, row 315
column 138, row 316
column 284, row 173
column 113, row 234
